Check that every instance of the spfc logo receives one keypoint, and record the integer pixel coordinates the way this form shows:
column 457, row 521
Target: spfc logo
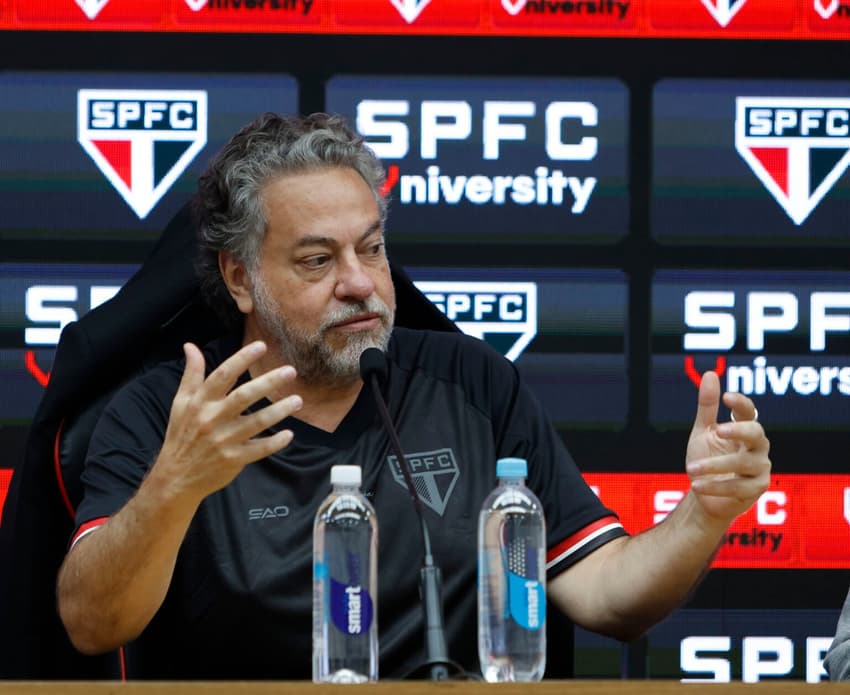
column 91, row 8
column 826, row 8
column 142, row 140
column 513, row 7
column 434, row 473
column 723, row 10
column 410, row 9
column 798, row 147
column 504, row 314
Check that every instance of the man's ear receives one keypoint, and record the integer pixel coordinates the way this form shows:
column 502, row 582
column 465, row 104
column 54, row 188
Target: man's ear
column 235, row 277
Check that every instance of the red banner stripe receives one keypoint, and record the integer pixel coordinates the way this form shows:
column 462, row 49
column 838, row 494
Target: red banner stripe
column 801, row 522
column 746, row 19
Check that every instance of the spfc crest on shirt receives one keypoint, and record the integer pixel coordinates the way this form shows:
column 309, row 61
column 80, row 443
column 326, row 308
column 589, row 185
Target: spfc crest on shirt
column 797, row 146
column 434, row 473
column 142, row 140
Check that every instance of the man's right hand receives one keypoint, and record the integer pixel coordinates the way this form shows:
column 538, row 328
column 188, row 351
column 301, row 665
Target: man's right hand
column 115, row 579
column 210, row 438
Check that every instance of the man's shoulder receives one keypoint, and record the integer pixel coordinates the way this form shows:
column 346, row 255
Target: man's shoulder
column 407, row 341
column 160, row 380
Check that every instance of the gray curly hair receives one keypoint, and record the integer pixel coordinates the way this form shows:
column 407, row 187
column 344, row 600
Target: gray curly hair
column 229, row 207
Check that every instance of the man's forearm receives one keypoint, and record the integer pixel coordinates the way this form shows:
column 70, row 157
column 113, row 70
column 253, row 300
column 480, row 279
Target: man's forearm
column 114, row 579
column 629, row 584
column 659, row 568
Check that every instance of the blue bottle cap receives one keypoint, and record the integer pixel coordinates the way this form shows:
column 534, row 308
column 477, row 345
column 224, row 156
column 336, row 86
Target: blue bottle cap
column 511, row 468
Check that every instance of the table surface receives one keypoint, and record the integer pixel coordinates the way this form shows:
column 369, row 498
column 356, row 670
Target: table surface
column 582, row 687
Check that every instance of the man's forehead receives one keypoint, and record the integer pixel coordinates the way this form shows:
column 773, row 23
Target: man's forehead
column 301, row 209
column 308, row 182
column 307, row 238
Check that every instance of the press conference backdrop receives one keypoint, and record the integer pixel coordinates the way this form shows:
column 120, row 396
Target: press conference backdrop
column 615, row 195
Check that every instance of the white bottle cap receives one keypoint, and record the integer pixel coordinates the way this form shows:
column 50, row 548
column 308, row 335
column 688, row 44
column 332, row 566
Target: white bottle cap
column 346, row 475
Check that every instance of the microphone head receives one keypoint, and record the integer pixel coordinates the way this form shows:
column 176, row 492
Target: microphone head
column 373, row 361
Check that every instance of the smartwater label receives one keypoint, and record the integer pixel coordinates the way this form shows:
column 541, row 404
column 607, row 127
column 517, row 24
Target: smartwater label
column 351, row 608
column 527, row 601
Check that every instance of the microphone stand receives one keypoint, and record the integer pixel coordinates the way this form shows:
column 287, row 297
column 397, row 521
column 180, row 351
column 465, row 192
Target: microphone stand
column 429, row 576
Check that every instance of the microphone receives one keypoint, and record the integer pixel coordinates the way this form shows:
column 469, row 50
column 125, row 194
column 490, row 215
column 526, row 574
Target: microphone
column 373, row 370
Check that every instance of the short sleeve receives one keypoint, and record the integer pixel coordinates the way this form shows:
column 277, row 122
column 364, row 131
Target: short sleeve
column 577, row 523
column 123, row 447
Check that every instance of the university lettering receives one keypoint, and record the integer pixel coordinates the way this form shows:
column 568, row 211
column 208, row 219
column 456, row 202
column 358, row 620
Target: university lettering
column 286, row 5
column 579, row 7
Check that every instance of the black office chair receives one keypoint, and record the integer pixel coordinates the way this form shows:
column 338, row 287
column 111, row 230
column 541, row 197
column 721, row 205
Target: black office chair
column 95, row 355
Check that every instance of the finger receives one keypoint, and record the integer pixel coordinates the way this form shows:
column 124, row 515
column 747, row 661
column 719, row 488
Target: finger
column 742, row 488
column 251, row 425
column 193, row 370
column 741, row 406
column 237, row 456
column 223, row 377
column 748, row 432
column 740, row 464
column 257, row 388
column 708, row 402
column 263, row 447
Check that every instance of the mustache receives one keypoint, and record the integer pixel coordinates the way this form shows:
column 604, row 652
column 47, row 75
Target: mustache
column 372, row 305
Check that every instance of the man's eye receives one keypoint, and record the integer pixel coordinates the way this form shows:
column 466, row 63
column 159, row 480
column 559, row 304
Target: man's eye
column 376, row 249
column 315, row 261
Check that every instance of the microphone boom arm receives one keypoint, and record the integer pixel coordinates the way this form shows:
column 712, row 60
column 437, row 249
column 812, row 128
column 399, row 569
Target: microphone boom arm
column 429, row 576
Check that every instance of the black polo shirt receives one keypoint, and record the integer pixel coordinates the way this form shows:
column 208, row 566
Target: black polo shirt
column 240, row 603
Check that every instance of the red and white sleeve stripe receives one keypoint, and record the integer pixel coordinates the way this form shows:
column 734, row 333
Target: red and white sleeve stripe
column 86, row 529
column 597, row 533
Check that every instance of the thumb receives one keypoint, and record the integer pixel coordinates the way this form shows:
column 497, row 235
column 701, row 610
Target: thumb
column 708, row 404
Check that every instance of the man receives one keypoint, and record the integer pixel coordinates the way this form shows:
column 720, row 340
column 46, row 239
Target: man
column 174, row 548
column 837, row 659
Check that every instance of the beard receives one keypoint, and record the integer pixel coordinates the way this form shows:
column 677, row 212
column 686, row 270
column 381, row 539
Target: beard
column 315, row 359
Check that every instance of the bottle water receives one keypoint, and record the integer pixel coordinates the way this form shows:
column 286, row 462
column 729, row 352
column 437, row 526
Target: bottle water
column 345, row 580
column 512, row 579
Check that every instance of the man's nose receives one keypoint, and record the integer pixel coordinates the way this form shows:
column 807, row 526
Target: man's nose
column 354, row 280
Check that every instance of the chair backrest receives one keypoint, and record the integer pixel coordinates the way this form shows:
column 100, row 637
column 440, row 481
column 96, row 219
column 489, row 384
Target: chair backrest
column 94, row 356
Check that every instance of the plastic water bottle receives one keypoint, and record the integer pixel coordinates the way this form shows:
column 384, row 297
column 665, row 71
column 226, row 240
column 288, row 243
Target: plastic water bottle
column 345, row 582
column 512, row 579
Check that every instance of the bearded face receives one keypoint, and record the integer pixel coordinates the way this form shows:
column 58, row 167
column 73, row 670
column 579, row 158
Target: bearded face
column 323, row 353
column 319, row 290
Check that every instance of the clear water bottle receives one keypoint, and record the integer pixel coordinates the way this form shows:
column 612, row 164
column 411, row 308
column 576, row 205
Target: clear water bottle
column 345, row 583
column 512, row 579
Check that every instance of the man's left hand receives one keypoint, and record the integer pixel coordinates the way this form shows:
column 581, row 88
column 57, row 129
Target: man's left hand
column 727, row 462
